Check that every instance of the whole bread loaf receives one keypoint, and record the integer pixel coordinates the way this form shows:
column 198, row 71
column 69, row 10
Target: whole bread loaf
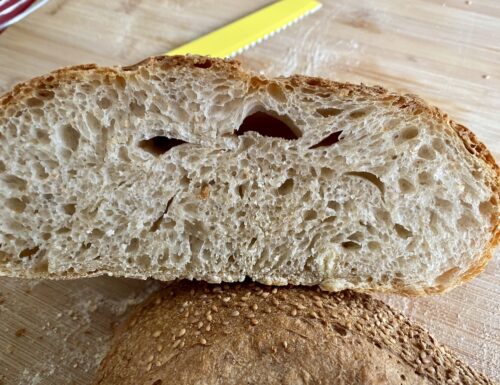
column 190, row 167
column 191, row 333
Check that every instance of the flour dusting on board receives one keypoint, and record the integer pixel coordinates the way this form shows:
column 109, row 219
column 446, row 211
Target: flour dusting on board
column 65, row 340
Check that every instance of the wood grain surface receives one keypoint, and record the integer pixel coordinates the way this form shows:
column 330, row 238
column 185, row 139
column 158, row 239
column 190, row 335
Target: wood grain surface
column 446, row 51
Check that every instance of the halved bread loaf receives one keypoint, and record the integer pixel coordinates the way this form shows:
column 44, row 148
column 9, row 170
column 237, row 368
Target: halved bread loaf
column 249, row 334
column 191, row 167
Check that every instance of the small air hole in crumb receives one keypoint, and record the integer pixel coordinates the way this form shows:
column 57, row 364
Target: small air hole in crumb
column 69, row 209
column 409, row 133
column 402, row 231
column 329, row 112
column 104, row 103
column 286, row 187
column 269, row 124
column 405, row 186
column 203, row 64
column 29, row 252
column 276, row 92
column 370, row 177
column 69, row 137
column 329, row 140
column 349, row 245
column 34, row 102
column 426, row 152
column 309, row 215
column 15, row 204
column 133, row 246
column 159, row 145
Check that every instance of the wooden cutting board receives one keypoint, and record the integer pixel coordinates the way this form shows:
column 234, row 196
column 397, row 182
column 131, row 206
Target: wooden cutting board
column 446, row 51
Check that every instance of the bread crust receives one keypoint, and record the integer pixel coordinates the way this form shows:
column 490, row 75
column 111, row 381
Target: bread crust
column 254, row 334
column 232, row 68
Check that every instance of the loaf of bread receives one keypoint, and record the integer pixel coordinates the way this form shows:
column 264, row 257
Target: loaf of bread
column 192, row 333
column 190, row 167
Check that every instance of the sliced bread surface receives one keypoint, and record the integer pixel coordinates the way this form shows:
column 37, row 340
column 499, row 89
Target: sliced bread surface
column 191, row 167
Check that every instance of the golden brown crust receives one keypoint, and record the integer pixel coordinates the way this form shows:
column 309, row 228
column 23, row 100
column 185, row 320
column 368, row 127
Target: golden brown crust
column 253, row 334
column 232, row 68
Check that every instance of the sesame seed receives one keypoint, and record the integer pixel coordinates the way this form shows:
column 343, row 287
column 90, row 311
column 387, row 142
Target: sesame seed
column 268, row 311
column 285, row 344
column 159, row 348
column 274, row 291
column 185, row 304
column 215, row 309
column 255, row 306
column 233, row 295
column 208, row 328
column 314, row 314
column 197, row 313
column 244, row 299
column 274, row 349
column 301, row 307
column 148, row 368
column 316, row 298
column 197, row 332
column 225, row 323
column 209, row 318
column 235, row 313
column 226, row 299
column 181, row 332
column 157, row 333
column 250, row 315
column 200, row 325
column 294, row 312
column 254, row 321
column 182, row 344
column 150, row 358
column 265, row 294
column 203, row 341
column 275, row 302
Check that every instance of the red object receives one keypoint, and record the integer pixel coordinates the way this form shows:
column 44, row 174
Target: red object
column 11, row 8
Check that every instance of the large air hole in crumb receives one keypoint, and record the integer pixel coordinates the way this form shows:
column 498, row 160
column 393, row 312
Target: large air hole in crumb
column 159, row 145
column 269, row 124
column 327, row 141
column 368, row 176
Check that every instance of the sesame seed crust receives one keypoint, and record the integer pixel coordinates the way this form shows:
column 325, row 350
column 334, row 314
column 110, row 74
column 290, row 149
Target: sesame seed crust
column 294, row 335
